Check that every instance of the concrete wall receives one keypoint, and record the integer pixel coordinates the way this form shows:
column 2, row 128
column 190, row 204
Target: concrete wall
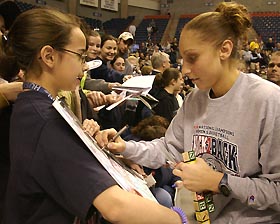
column 195, row 6
column 87, row 11
column 136, row 8
column 141, row 8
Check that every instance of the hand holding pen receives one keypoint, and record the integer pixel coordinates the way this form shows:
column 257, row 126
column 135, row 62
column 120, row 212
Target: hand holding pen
column 116, row 140
column 110, row 139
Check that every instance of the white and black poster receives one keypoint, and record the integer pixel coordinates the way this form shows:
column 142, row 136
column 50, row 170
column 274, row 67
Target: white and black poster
column 109, row 4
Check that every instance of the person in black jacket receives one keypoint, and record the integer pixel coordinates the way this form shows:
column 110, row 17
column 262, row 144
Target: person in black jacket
column 171, row 82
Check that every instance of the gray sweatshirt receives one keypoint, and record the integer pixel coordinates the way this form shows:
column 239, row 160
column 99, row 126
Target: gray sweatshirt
column 238, row 134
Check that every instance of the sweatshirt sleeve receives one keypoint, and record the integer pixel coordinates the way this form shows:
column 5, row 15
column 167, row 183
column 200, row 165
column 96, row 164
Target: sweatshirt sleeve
column 154, row 154
column 97, row 85
column 263, row 192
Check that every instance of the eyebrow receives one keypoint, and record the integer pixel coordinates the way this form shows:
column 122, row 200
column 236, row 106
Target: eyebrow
column 188, row 50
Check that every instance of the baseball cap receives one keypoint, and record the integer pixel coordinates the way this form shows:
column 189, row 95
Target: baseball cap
column 125, row 36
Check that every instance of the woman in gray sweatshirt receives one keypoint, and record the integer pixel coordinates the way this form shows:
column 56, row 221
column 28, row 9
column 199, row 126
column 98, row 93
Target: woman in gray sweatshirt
column 231, row 122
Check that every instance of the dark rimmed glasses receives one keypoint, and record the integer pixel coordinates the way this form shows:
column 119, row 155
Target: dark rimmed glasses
column 82, row 56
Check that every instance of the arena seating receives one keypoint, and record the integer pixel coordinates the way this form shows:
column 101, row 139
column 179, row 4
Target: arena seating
column 116, row 26
column 24, row 6
column 93, row 23
column 161, row 22
column 182, row 21
column 267, row 25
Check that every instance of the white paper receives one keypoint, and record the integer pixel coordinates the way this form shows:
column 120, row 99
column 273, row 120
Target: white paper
column 94, row 64
column 138, row 84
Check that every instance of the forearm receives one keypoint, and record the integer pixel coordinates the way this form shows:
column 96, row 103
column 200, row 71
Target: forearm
column 128, row 208
column 97, row 85
column 3, row 101
column 146, row 153
column 9, row 92
column 256, row 192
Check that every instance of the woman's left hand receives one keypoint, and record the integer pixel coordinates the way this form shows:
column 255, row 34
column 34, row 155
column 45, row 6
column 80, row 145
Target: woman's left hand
column 197, row 176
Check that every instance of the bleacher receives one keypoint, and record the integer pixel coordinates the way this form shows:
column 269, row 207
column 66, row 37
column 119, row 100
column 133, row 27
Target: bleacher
column 93, row 23
column 116, row 26
column 182, row 21
column 161, row 22
column 267, row 24
column 24, row 6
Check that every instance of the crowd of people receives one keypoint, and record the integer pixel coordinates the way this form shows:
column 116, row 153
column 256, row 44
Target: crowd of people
column 211, row 98
column 255, row 55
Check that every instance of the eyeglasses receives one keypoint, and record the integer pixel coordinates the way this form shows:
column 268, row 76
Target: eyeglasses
column 82, row 56
column 272, row 65
column 119, row 64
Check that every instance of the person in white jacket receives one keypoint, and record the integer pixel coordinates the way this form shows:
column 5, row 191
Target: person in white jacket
column 231, row 122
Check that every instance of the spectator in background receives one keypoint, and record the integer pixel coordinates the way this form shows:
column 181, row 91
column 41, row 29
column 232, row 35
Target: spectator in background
column 93, row 52
column 170, row 83
column 107, row 54
column 246, row 56
column 124, row 41
column 94, row 45
column 118, row 64
column 132, row 29
column 254, row 44
column 174, row 44
column 173, row 57
column 273, row 71
column 160, row 61
column 146, row 70
column 277, row 47
column 134, row 62
column 270, row 45
column 147, row 60
column 143, row 48
column 154, row 26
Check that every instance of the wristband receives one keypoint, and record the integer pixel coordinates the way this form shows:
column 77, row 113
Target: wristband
column 181, row 213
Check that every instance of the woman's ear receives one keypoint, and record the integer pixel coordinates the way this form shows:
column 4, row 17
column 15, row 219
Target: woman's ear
column 47, row 55
column 226, row 49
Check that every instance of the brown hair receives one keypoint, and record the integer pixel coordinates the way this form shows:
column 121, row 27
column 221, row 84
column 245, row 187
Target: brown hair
column 34, row 29
column 151, row 128
column 106, row 37
column 229, row 21
column 115, row 58
column 165, row 78
column 146, row 70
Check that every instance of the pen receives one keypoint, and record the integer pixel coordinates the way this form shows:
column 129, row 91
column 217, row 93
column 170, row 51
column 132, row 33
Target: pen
column 115, row 136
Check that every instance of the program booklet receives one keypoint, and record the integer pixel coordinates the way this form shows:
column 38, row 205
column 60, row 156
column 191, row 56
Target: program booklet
column 127, row 178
